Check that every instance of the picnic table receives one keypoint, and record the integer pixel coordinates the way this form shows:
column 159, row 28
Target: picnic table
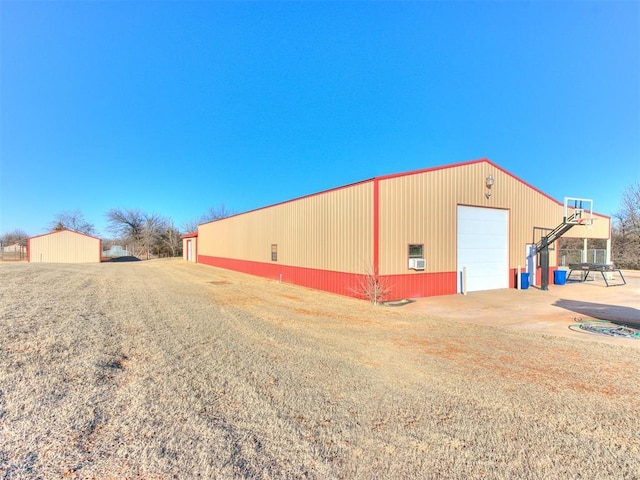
column 585, row 269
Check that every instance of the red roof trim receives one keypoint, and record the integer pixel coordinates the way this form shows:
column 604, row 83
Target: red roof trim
column 404, row 174
column 335, row 189
column 190, row 235
column 470, row 162
column 434, row 169
column 522, row 181
column 65, row 230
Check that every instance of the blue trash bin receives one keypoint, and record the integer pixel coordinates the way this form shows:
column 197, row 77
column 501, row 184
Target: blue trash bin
column 560, row 277
column 524, row 280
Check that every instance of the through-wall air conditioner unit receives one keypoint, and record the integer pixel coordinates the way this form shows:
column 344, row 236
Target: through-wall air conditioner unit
column 417, row 263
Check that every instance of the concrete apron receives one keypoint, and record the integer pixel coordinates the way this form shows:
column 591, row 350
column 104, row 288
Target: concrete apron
column 550, row 312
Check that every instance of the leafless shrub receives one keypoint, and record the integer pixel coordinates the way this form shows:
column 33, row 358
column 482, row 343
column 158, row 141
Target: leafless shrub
column 373, row 287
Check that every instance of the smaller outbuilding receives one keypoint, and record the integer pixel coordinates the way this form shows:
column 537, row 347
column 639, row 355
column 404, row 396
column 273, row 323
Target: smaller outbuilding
column 14, row 248
column 190, row 247
column 64, row 246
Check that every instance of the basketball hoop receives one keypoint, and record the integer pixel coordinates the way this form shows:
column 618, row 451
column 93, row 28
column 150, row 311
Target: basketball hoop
column 578, row 211
column 587, row 222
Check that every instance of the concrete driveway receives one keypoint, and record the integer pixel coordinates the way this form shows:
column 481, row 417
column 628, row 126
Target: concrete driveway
column 551, row 311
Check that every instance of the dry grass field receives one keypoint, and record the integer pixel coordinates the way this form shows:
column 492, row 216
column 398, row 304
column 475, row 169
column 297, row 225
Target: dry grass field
column 164, row 369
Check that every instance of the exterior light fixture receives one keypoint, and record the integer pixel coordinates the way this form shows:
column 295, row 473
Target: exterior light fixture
column 489, row 183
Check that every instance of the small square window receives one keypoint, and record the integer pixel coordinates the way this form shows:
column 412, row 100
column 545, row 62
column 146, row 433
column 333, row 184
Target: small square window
column 274, row 252
column 416, row 250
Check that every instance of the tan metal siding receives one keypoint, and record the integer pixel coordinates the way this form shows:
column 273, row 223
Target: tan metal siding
column 330, row 231
column 64, row 247
column 421, row 208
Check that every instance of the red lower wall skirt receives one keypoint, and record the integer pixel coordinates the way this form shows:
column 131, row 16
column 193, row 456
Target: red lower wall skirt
column 416, row 285
column 348, row 284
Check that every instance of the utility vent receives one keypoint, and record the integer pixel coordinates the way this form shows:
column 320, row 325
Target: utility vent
column 417, row 263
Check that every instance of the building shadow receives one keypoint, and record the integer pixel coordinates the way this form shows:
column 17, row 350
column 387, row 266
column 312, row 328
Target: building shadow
column 123, row 259
column 617, row 314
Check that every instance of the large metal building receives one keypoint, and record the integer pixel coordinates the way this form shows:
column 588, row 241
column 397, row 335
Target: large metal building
column 436, row 231
column 64, row 246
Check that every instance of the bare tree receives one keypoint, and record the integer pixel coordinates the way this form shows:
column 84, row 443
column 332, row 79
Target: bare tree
column 145, row 233
column 71, row 220
column 213, row 213
column 125, row 223
column 170, row 243
column 128, row 226
column 216, row 213
column 14, row 237
column 153, row 227
column 190, row 226
column 13, row 245
column 626, row 230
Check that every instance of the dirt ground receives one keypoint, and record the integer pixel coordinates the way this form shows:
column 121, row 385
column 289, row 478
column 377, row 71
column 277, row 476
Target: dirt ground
column 167, row 369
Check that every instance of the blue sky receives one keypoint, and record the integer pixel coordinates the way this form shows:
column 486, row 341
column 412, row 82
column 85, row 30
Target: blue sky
column 175, row 107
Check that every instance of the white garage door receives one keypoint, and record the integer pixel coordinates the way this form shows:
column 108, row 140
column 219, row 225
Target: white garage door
column 483, row 248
